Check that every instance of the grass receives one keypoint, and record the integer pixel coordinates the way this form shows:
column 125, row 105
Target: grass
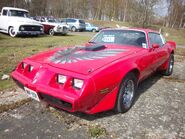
column 96, row 131
column 13, row 50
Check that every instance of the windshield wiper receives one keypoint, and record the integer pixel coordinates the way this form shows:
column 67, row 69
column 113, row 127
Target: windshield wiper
column 91, row 42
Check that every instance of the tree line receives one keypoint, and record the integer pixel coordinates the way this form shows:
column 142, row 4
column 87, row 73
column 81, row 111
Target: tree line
column 134, row 11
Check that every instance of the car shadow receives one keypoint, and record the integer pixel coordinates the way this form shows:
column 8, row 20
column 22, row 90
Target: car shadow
column 142, row 88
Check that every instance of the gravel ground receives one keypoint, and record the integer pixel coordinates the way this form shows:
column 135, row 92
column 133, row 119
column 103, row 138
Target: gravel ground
column 159, row 113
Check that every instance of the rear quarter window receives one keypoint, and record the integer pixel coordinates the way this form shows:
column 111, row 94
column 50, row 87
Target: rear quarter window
column 82, row 21
column 71, row 20
column 156, row 38
column 5, row 12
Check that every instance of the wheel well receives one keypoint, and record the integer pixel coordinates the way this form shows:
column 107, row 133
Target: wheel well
column 9, row 28
column 136, row 72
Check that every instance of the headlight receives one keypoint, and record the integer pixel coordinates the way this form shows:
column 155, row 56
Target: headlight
column 22, row 28
column 78, row 83
column 58, row 27
column 23, row 65
column 41, row 29
column 30, row 68
column 61, row 79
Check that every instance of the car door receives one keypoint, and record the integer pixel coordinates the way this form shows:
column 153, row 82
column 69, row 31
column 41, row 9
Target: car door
column 4, row 18
column 161, row 52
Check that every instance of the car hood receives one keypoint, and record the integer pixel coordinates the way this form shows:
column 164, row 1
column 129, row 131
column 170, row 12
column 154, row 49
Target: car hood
column 80, row 60
column 24, row 20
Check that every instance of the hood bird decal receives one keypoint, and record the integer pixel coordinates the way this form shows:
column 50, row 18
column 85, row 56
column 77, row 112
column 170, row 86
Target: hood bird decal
column 71, row 55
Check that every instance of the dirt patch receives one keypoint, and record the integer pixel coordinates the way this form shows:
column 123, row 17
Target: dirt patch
column 180, row 51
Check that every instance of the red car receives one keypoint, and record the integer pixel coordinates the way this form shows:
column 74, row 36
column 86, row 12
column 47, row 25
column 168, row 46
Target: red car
column 99, row 76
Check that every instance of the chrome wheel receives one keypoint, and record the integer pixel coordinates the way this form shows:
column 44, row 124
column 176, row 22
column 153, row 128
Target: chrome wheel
column 126, row 96
column 94, row 30
column 51, row 32
column 73, row 29
column 171, row 65
column 169, row 69
column 128, row 93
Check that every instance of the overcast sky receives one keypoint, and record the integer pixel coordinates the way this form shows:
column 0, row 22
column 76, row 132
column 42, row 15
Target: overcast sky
column 161, row 9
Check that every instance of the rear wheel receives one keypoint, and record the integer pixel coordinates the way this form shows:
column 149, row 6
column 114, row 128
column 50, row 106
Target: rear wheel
column 94, row 30
column 12, row 32
column 126, row 94
column 51, row 32
column 73, row 29
column 169, row 69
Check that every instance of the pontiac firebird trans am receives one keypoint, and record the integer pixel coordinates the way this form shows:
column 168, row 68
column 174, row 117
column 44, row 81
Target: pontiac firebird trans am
column 99, row 76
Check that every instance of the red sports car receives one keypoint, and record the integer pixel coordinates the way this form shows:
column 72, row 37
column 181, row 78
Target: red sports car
column 99, row 76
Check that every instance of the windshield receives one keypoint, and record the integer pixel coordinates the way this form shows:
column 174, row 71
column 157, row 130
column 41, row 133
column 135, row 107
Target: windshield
column 18, row 13
column 51, row 20
column 125, row 37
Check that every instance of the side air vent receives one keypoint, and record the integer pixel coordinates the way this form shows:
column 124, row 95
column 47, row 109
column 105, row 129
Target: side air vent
column 95, row 47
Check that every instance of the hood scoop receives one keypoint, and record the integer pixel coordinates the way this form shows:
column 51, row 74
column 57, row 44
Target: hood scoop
column 95, row 47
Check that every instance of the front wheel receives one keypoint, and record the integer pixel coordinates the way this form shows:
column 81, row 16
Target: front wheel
column 126, row 94
column 51, row 32
column 12, row 32
column 169, row 69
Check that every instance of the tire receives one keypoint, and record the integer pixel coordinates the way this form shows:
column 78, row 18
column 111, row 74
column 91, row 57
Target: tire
column 51, row 32
column 73, row 29
column 126, row 94
column 12, row 32
column 169, row 70
column 94, row 30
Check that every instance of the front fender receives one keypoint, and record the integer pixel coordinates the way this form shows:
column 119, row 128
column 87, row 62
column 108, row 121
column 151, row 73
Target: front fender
column 107, row 81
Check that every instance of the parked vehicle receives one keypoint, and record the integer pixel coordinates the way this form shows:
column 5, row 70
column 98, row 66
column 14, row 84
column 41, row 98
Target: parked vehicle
column 52, row 26
column 91, row 27
column 74, row 24
column 15, row 21
column 99, row 76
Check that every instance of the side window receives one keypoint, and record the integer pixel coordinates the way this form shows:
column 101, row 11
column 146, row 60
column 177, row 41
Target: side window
column 158, row 39
column 73, row 20
column 151, row 39
column 155, row 38
column 5, row 12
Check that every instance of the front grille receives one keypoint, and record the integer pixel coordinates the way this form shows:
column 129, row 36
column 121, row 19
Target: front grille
column 30, row 28
column 56, row 101
column 19, row 84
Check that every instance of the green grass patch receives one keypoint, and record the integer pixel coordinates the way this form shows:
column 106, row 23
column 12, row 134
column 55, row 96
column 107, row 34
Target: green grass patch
column 180, row 52
column 13, row 50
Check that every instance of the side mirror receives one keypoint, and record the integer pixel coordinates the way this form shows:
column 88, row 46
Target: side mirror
column 154, row 46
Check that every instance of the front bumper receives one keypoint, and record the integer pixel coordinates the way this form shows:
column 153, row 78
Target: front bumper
column 30, row 33
column 55, row 97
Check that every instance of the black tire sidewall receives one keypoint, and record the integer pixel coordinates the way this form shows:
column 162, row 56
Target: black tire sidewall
column 10, row 32
column 168, row 72
column 120, row 107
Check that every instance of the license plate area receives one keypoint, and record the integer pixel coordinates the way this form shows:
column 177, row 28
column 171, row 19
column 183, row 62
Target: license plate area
column 31, row 94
